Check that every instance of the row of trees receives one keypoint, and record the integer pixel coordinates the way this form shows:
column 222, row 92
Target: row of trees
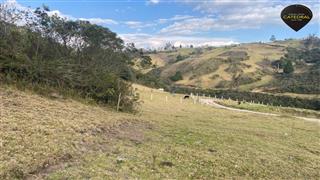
column 285, row 101
column 170, row 46
column 51, row 51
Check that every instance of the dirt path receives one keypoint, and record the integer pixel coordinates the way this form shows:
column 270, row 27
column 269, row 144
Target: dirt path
column 211, row 102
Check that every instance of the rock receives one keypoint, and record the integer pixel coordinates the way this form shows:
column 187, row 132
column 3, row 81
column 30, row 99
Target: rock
column 212, row 150
column 120, row 160
column 166, row 163
column 56, row 96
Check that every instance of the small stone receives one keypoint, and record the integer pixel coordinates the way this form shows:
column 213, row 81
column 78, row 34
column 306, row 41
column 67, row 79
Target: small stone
column 56, row 96
column 120, row 160
column 166, row 163
column 212, row 150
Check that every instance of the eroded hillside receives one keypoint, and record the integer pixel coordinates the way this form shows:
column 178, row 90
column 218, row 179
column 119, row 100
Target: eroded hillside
column 252, row 66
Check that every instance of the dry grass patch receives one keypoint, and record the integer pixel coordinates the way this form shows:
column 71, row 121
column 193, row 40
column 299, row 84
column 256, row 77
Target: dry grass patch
column 170, row 138
column 36, row 132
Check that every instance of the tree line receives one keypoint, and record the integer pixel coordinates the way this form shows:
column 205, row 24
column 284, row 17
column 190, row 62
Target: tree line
column 275, row 100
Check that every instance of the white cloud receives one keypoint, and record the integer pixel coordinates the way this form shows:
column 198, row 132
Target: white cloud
column 15, row 10
column 153, row 1
column 60, row 14
column 243, row 6
column 226, row 15
column 13, row 4
column 206, row 24
column 100, row 21
column 189, row 26
column 138, row 25
column 174, row 18
column 157, row 41
column 133, row 23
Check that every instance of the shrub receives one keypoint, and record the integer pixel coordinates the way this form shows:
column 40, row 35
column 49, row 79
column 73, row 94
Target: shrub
column 176, row 77
column 146, row 61
column 288, row 67
column 180, row 58
column 99, row 69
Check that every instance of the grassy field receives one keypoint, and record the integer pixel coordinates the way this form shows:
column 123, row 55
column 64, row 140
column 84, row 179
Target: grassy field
column 169, row 138
column 287, row 111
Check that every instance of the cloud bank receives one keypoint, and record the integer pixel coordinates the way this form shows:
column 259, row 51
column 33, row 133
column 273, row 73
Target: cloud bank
column 158, row 41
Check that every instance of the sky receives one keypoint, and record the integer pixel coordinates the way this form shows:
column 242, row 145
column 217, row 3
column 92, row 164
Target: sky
column 152, row 23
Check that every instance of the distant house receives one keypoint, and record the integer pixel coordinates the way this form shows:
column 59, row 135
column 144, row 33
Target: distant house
column 161, row 89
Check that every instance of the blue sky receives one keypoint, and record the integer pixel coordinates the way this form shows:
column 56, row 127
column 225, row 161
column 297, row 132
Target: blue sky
column 151, row 23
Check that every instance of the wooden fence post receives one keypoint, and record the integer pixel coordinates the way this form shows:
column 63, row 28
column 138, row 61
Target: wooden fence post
column 118, row 105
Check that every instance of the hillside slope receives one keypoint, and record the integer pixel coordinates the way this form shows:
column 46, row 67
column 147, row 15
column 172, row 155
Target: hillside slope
column 168, row 139
column 249, row 66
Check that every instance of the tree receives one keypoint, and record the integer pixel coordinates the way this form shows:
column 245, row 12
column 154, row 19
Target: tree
column 9, row 15
column 288, row 67
column 198, row 51
column 177, row 76
column 146, row 61
column 141, row 51
column 311, row 41
column 180, row 57
column 272, row 38
column 168, row 45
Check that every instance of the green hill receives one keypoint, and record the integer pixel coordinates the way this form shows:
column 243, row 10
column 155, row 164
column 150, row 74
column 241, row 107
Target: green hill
column 249, row 67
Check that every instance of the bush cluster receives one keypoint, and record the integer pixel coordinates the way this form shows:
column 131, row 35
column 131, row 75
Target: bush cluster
column 65, row 55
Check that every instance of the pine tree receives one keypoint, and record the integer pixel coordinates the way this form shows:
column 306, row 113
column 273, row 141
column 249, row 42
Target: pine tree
column 273, row 38
column 288, row 67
